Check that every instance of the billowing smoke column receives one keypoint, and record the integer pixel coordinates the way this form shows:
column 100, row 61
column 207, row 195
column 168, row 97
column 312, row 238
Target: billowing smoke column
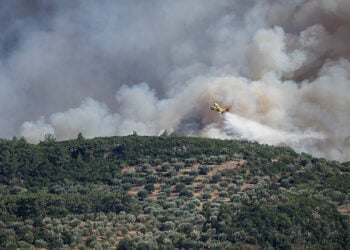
column 113, row 67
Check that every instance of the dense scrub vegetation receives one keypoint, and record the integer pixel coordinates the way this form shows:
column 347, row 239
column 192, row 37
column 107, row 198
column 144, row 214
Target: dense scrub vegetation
column 169, row 192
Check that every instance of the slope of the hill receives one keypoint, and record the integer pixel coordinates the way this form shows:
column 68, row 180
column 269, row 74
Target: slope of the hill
column 169, row 192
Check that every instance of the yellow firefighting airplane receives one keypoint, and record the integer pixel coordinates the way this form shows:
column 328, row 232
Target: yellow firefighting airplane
column 218, row 108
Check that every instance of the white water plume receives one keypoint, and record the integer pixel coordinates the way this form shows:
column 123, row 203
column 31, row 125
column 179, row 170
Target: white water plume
column 250, row 130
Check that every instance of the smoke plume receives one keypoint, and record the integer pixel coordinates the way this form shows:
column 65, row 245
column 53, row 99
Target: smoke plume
column 107, row 68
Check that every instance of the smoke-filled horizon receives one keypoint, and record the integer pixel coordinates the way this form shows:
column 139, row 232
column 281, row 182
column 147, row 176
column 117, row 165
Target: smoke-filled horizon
column 107, row 68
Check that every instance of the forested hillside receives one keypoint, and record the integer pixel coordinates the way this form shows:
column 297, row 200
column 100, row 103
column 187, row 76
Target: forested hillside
column 169, row 192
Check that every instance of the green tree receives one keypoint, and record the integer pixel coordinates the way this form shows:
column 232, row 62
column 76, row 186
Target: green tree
column 186, row 193
column 179, row 187
column 149, row 187
column 142, row 194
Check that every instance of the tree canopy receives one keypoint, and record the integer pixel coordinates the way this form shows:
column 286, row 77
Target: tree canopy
column 169, row 192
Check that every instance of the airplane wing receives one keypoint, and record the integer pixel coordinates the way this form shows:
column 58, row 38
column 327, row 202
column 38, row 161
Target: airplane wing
column 217, row 107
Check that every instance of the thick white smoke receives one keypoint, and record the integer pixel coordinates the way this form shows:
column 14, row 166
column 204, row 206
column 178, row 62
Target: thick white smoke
column 113, row 67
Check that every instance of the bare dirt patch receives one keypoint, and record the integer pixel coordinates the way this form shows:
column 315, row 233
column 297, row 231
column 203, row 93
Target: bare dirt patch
column 344, row 209
column 200, row 181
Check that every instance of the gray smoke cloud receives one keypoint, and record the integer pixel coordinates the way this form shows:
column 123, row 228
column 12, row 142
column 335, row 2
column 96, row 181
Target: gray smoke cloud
column 108, row 68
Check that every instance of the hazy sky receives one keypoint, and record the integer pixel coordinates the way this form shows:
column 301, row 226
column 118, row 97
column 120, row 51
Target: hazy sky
column 112, row 67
